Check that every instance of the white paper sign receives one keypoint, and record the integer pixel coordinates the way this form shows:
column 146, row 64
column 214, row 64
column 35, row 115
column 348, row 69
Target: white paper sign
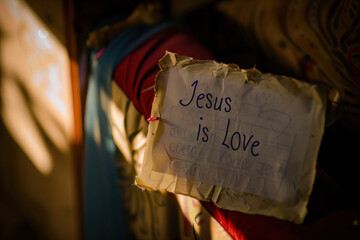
column 244, row 140
column 234, row 135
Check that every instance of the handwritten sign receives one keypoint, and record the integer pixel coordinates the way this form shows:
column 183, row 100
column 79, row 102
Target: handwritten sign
column 235, row 135
column 221, row 129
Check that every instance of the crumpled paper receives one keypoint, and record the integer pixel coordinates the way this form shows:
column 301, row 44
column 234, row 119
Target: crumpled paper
column 244, row 140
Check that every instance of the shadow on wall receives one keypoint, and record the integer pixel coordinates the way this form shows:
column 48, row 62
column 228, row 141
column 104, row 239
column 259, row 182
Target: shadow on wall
column 37, row 189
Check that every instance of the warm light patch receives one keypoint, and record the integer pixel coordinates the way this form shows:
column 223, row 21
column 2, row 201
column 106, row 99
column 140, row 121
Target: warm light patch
column 35, row 85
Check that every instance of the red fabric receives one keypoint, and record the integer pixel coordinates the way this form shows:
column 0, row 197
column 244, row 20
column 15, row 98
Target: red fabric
column 330, row 216
column 245, row 226
column 136, row 76
column 241, row 226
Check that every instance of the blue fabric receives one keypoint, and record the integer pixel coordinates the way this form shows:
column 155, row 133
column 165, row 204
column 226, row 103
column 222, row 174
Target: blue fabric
column 102, row 214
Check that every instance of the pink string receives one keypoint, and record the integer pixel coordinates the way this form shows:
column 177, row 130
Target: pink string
column 152, row 119
column 99, row 53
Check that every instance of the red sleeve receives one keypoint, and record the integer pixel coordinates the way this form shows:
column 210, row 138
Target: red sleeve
column 136, row 74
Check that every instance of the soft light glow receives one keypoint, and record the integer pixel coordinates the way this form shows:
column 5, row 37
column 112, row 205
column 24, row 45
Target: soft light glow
column 42, row 33
column 35, row 85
